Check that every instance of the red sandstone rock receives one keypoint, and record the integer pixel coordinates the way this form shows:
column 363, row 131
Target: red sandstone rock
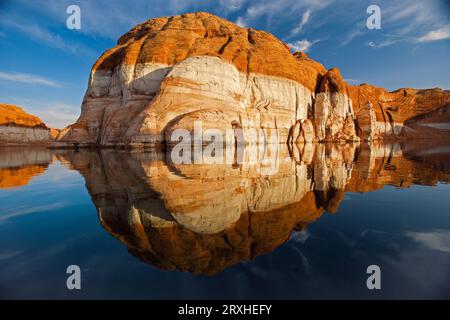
column 166, row 73
column 20, row 128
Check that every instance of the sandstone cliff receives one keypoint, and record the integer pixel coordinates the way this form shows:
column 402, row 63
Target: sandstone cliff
column 170, row 72
column 382, row 114
column 333, row 110
column 20, row 128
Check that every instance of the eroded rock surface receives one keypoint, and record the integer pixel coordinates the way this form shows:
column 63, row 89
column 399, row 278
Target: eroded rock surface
column 396, row 112
column 333, row 110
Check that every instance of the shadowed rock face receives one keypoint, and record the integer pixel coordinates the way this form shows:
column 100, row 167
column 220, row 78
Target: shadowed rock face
column 202, row 218
column 169, row 72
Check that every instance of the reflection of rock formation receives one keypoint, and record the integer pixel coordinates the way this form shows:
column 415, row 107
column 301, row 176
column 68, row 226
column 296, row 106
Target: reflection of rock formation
column 197, row 218
column 18, row 166
column 202, row 218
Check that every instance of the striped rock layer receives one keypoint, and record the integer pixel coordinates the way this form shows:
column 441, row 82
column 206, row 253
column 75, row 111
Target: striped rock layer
column 171, row 72
column 20, row 128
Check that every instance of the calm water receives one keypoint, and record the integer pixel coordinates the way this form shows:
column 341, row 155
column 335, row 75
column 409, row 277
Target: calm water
column 304, row 223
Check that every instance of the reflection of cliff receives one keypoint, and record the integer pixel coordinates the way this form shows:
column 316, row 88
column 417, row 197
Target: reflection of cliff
column 400, row 165
column 202, row 218
column 19, row 166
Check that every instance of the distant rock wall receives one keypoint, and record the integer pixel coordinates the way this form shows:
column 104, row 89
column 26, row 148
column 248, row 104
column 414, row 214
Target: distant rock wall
column 20, row 128
column 18, row 135
column 391, row 115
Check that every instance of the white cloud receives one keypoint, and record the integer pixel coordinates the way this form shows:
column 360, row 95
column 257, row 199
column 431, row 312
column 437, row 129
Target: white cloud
column 260, row 9
column 302, row 45
column 41, row 35
column 435, row 240
column 232, row 5
column 405, row 22
column 111, row 19
column 390, row 39
column 283, row 11
column 24, row 210
column 385, row 43
column 305, row 19
column 300, row 236
column 59, row 115
column 9, row 255
column 97, row 16
column 241, row 22
column 27, row 78
column 407, row 10
column 350, row 36
column 435, row 35
column 55, row 114
column 410, row 15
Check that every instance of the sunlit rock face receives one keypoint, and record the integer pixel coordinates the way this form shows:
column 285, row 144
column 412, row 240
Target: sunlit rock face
column 202, row 217
column 20, row 128
column 434, row 125
column 302, row 132
column 18, row 166
column 168, row 73
column 397, row 112
column 333, row 110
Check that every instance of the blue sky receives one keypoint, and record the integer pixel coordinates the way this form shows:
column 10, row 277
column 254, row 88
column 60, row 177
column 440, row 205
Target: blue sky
column 44, row 66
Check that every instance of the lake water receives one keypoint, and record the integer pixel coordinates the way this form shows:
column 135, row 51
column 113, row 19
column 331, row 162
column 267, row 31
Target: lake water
column 297, row 223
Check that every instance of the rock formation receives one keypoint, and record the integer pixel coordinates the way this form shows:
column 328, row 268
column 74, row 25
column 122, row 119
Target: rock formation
column 366, row 122
column 168, row 73
column 397, row 113
column 333, row 110
column 20, row 128
column 302, row 132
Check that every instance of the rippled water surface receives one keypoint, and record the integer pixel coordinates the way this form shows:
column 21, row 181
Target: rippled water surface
column 301, row 222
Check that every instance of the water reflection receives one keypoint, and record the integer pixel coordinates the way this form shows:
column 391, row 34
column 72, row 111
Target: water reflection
column 202, row 218
column 18, row 165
